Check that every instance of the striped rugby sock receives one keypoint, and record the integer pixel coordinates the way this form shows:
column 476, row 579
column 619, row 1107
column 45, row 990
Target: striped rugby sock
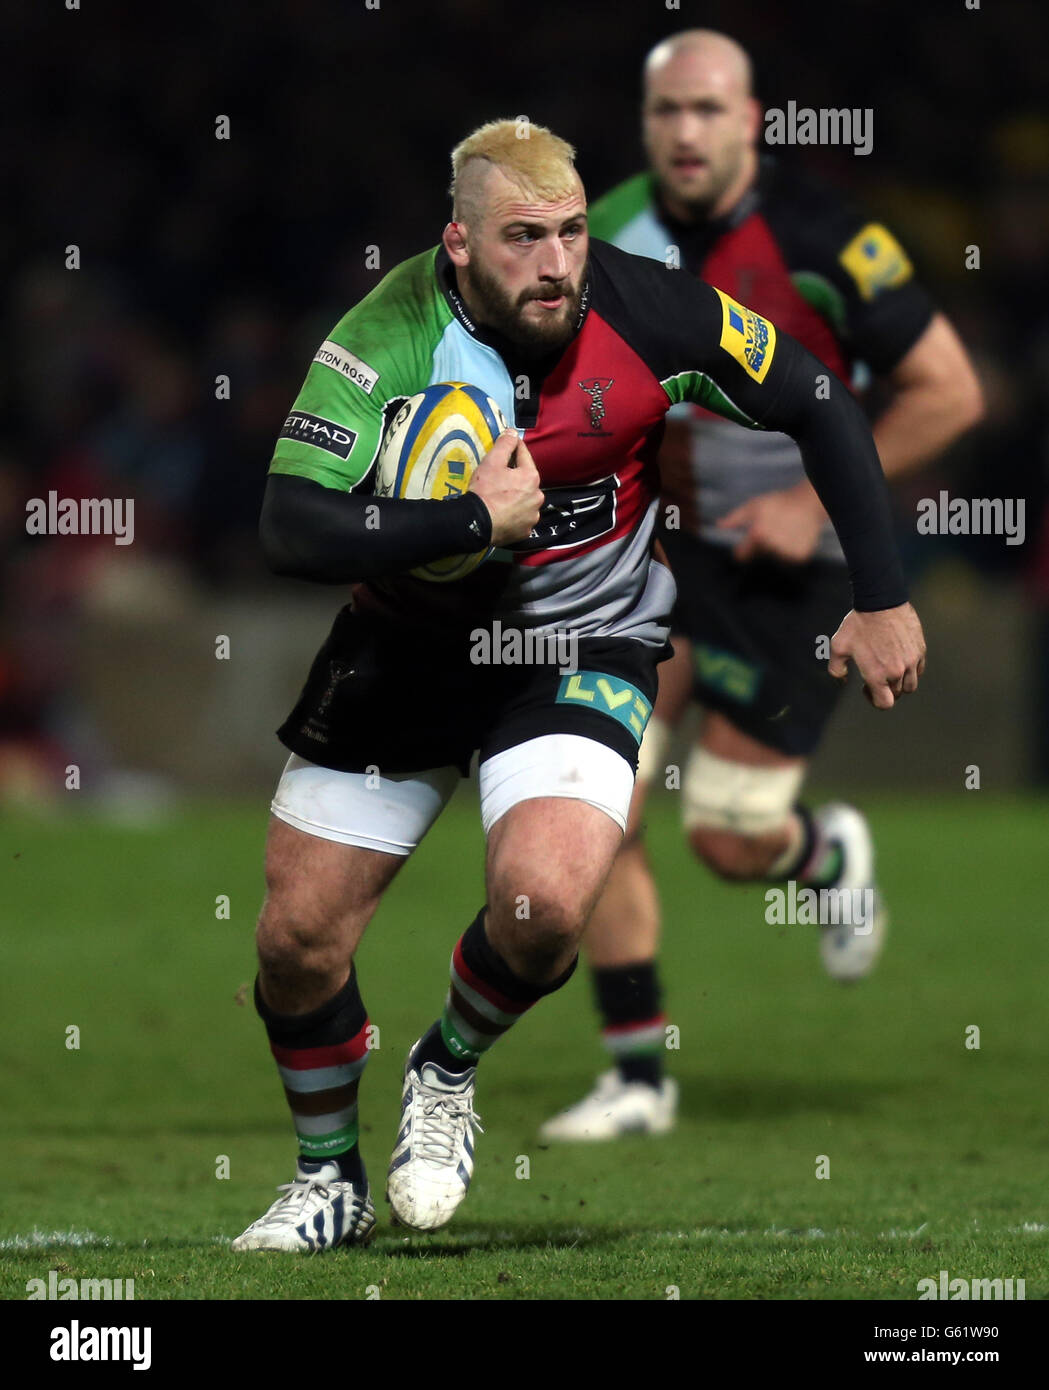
column 808, row 857
column 320, row 1057
column 485, row 998
column 633, row 1025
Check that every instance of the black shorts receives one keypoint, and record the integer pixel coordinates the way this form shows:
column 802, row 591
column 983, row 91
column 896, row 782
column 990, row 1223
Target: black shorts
column 379, row 695
column 754, row 629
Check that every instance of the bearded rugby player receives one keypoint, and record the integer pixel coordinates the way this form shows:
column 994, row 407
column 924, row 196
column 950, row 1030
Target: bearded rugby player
column 760, row 574
column 515, row 291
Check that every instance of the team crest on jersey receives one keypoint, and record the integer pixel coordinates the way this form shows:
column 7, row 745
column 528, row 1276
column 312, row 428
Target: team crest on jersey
column 876, row 260
column 337, row 672
column 595, row 389
column 746, row 336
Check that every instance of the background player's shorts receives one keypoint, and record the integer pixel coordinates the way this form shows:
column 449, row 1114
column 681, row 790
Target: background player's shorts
column 754, row 628
column 381, row 701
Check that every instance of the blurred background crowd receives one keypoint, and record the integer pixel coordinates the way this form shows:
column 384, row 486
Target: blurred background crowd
column 203, row 258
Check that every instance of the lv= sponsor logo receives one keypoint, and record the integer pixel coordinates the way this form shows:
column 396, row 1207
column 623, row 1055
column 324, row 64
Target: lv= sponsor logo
column 616, row 698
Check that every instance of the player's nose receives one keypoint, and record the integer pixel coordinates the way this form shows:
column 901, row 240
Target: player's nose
column 687, row 129
column 555, row 262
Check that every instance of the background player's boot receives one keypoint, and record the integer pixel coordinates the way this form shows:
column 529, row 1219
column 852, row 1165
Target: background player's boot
column 851, row 948
column 616, row 1107
column 317, row 1211
column 433, row 1159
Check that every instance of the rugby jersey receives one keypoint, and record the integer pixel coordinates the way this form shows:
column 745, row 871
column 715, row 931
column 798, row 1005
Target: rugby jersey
column 592, row 414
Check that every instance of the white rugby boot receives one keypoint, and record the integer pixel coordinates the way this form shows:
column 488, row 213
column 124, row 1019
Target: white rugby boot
column 851, row 946
column 616, row 1107
column 317, row 1211
column 433, row 1156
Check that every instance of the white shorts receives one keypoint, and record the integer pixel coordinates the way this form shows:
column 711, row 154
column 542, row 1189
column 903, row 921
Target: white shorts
column 392, row 813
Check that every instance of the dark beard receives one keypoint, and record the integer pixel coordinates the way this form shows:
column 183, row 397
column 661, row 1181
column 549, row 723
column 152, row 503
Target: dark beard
column 499, row 311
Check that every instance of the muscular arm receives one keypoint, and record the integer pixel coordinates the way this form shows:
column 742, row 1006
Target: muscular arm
column 318, row 533
column 937, row 398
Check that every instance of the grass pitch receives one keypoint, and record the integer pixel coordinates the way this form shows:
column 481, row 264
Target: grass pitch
column 937, row 1151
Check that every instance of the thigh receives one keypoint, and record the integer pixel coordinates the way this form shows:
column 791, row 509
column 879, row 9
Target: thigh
column 755, row 630
column 320, row 890
column 335, row 842
column 675, row 682
column 672, row 703
column 724, row 739
column 552, row 855
column 556, row 775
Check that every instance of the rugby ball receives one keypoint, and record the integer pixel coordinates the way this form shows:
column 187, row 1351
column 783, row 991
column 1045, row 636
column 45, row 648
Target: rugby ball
column 430, row 449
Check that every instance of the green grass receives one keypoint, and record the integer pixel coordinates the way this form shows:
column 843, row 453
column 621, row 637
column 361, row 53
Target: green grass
column 938, row 1154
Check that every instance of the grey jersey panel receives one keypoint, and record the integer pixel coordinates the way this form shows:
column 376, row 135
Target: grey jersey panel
column 730, row 464
column 615, row 590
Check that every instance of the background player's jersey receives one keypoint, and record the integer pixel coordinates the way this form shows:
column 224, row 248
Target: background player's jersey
column 592, row 414
column 841, row 285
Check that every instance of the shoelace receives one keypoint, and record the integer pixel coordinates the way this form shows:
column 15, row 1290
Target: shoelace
column 434, row 1142
column 289, row 1207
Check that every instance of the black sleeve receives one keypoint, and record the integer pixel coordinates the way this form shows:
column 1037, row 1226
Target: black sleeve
column 313, row 532
column 707, row 348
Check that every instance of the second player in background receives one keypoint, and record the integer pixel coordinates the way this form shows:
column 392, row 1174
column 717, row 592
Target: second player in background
column 760, row 574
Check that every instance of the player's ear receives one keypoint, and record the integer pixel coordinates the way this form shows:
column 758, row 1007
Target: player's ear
column 454, row 239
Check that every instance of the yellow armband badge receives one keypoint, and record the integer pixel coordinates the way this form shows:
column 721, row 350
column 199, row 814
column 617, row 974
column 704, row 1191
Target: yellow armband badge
column 876, row 260
column 746, row 336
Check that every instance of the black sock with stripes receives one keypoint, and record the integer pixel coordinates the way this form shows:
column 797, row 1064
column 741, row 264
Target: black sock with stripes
column 485, row 998
column 819, row 864
column 320, row 1056
column 633, row 1025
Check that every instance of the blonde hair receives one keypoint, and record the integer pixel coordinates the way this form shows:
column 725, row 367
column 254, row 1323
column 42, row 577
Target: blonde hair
column 533, row 157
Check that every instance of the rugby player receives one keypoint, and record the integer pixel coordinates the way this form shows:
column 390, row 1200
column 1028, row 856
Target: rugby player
column 760, row 574
column 585, row 348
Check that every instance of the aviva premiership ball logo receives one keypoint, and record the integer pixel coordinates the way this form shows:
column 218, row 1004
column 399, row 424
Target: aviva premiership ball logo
column 746, row 336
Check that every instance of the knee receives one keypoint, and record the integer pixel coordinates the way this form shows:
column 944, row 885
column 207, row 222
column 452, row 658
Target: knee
column 731, row 856
column 540, row 930
column 293, row 944
column 735, row 814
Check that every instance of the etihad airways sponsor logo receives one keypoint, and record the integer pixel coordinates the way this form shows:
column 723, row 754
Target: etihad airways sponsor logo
column 322, row 434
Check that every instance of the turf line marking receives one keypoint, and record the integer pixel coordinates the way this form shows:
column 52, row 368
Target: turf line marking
column 43, row 1240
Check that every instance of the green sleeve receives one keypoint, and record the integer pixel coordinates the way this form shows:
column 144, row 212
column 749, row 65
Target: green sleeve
column 607, row 217
column 380, row 351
